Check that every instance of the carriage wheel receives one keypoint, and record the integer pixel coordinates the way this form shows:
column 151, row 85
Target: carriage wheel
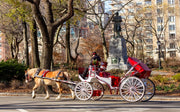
column 83, row 91
column 150, row 89
column 132, row 89
column 98, row 91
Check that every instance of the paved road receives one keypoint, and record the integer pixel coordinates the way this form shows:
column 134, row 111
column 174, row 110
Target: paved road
column 26, row 104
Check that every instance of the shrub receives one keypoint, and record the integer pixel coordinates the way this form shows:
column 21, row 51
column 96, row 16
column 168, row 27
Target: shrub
column 172, row 86
column 159, row 88
column 10, row 70
column 178, row 87
column 166, row 88
column 177, row 77
column 116, row 72
column 161, row 79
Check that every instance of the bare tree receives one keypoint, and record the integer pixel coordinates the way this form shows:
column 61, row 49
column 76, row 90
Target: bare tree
column 11, row 27
column 44, row 17
column 132, row 28
column 99, row 18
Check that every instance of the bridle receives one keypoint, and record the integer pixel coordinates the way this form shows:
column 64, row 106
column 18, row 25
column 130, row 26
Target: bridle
column 29, row 78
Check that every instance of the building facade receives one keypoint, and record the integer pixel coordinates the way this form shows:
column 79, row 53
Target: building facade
column 4, row 48
column 160, row 24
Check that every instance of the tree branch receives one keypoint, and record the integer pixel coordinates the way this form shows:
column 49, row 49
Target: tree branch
column 67, row 16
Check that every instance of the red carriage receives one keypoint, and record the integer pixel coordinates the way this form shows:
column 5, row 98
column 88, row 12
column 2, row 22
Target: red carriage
column 133, row 86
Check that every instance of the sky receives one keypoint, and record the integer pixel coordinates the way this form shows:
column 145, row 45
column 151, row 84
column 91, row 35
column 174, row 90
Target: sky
column 107, row 6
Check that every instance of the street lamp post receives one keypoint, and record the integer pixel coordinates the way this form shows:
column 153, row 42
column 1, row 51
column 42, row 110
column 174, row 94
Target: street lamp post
column 159, row 53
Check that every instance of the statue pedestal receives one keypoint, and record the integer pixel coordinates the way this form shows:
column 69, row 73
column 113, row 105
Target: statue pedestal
column 117, row 54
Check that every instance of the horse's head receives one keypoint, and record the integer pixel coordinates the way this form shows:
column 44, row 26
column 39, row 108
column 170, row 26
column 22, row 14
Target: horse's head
column 29, row 74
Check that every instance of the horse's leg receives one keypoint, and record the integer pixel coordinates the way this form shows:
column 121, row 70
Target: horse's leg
column 72, row 94
column 33, row 90
column 47, row 92
column 60, row 90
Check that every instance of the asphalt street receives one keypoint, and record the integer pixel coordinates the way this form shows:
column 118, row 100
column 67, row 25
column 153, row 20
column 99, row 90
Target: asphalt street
column 27, row 104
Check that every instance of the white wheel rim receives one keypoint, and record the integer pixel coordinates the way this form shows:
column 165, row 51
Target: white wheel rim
column 83, row 91
column 132, row 89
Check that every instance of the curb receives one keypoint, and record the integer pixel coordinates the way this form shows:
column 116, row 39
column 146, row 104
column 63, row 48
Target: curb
column 155, row 98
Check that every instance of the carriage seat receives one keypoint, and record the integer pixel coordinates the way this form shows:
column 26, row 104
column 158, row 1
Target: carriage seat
column 104, row 74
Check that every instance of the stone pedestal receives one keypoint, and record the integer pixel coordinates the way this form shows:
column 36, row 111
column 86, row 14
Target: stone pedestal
column 117, row 54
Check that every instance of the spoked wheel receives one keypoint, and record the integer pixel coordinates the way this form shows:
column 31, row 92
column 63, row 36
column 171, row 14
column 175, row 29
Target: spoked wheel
column 150, row 89
column 83, row 91
column 98, row 91
column 132, row 89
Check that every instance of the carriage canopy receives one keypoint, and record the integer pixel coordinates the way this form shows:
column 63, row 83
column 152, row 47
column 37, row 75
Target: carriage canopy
column 140, row 67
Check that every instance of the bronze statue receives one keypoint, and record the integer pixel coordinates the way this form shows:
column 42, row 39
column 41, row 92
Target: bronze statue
column 117, row 24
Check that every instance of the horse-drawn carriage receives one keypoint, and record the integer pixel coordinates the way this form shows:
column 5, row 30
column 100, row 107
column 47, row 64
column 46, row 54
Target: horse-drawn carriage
column 133, row 86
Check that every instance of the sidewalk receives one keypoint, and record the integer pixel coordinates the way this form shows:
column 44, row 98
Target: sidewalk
column 155, row 98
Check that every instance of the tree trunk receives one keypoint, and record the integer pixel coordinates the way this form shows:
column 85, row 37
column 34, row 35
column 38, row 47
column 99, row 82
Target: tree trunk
column 48, row 26
column 26, row 51
column 34, row 44
column 105, row 51
column 11, row 49
column 47, row 51
column 68, row 49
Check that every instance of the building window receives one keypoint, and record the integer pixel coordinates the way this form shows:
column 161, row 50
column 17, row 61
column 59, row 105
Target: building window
column 172, row 53
column 0, row 44
column 0, row 56
column 172, row 36
column 148, row 2
column 149, row 34
column 159, row 19
column 172, row 45
column 171, row 18
column 160, row 28
column 38, row 34
column 159, row 11
column 139, row 47
column 159, row 2
column 171, row 2
column 171, row 27
column 139, row 3
column 149, row 47
column 150, row 41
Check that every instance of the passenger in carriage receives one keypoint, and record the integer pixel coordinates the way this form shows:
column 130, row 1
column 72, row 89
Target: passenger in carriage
column 94, row 61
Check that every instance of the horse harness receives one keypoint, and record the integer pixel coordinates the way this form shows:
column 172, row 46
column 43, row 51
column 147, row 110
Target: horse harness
column 57, row 76
column 45, row 72
column 29, row 78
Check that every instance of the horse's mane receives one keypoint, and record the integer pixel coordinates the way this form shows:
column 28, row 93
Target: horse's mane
column 32, row 71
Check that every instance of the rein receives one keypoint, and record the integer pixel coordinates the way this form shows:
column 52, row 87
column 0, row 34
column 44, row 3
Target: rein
column 29, row 78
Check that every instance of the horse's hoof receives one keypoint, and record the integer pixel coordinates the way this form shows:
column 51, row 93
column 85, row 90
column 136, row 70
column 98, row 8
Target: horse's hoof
column 47, row 98
column 73, row 97
column 58, row 98
column 34, row 96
